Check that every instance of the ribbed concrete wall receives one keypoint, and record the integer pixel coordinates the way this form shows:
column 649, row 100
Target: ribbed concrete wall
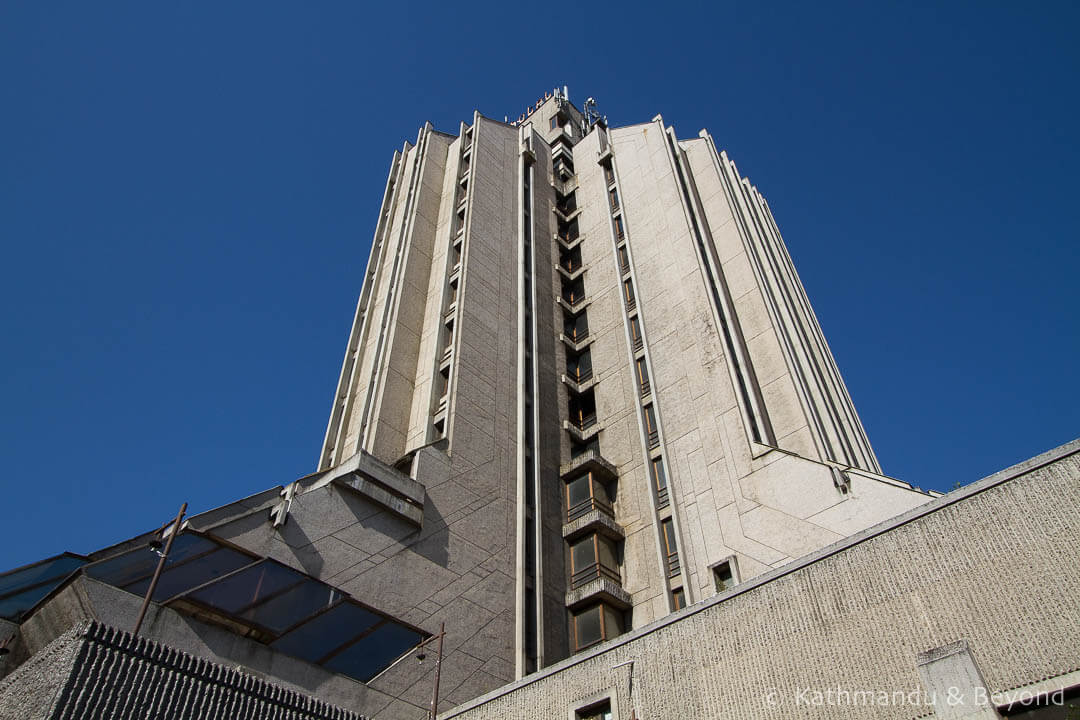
column 999, row 567
column 99, row 673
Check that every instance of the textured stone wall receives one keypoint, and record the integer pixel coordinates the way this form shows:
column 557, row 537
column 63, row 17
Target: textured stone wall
column 100, row 673
column 996, row 564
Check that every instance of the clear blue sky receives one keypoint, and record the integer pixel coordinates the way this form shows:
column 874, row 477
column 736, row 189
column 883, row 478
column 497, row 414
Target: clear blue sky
column 188, row 192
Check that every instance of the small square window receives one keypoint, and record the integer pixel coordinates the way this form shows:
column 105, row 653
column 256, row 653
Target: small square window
column 725, row 575
column 596, row 712
column 554, row 121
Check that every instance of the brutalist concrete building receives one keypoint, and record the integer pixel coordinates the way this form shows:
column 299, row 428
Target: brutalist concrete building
column 587, row 422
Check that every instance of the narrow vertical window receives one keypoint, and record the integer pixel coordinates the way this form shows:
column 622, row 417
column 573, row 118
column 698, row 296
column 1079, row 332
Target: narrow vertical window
column 659, row 480
column 619, row 232
column 671, row 547
column 678, row 598
column 651, row 431
column 628, row 294
column 635, row 334
column 624, row 260
column 613, row 198
column 642, row 376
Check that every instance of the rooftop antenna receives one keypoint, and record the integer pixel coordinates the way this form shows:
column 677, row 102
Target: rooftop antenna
column 592, row 114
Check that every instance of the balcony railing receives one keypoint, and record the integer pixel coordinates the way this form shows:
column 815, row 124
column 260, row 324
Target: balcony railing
column 574, row 335
column 583, row 422
column 654, row 439
column 587, row 506
column 662, row 499
column 592, row 572
column 639, row 342
column 646, row 388
column 579, row 375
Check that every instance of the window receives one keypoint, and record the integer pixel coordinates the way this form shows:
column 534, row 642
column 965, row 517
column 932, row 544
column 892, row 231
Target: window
column 579, row 367
column 573, row 292
column 628, row 294
column 678, row 599
column 568, row 231
column 635, row 334
column 554, row 121
column 567, row 204
column 652, row 434
column 595, row 624
column 619, row 231
column 585, row 493
column 576, row 327
column 613, row 198
column 442, row 383
column 583, row 410
column 591, row 558
column 642, row 376
column 578, row 449
column 671, row 547
column 624, row 260
column 596, row 712
column 453, row 293
column 659, row 480
column 570, row 259
column 724, row 576
column 609, row 175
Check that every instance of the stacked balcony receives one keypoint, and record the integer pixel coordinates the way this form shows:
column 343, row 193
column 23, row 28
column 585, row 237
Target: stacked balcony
column 595, row 598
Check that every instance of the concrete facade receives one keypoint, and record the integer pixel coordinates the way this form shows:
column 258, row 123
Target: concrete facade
column 584, row 389
column 976, row 593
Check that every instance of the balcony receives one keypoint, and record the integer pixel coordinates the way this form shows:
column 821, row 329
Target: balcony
column 596, row 571
column 579, row 386
column 569, row 274
column 583, row 431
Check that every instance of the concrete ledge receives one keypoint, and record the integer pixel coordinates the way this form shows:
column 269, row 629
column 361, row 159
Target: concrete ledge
column 593, row 521
column 603, row 589
column 378, row 482
column 589, row 461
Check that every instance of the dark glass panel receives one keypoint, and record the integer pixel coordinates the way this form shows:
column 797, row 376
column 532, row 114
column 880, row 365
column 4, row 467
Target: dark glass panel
column 140, row 563
column 613, row 622
column 54, row 568
column 583, row 554
column 372, row 654
column 323, row 634
column 577, row 490
column 13, row 606
column 182, row 578
column 587, row 627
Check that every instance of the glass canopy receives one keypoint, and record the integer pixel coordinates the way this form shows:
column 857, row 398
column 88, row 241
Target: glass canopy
column 22, row 588
column 256, row 597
